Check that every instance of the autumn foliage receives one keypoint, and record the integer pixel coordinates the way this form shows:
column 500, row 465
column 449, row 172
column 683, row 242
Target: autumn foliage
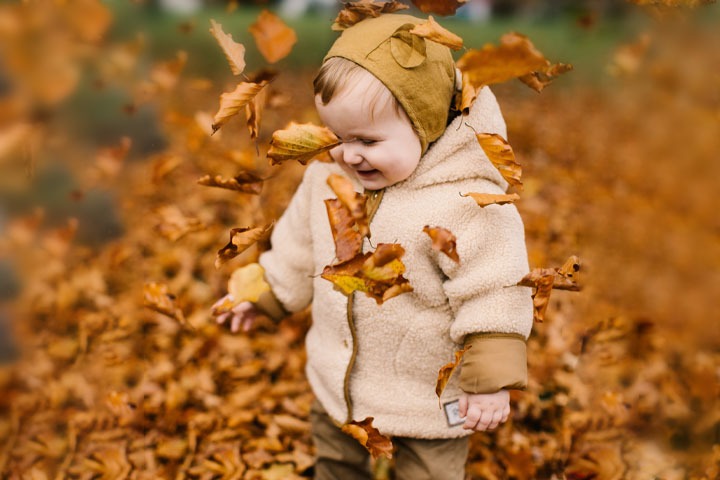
column 122, row 371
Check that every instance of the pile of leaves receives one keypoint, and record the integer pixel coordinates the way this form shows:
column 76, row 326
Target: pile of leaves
column 124, row 373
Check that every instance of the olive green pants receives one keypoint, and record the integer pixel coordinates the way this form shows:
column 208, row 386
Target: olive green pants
column 341, row 457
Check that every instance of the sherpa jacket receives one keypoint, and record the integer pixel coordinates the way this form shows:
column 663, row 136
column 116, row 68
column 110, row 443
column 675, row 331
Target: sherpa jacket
column 383, row 362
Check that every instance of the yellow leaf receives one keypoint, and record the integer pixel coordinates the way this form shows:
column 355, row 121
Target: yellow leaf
column 431, row 30
column 485, row 199
column 247, row 283
column 234, row 52
column 501, row 155
column 232, row 102
column 300, row 142
column 240, row 240
column 244, row 182
column 274, row 39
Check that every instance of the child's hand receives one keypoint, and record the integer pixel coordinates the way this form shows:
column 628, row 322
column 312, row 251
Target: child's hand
column 242, row 315
column 484, row 411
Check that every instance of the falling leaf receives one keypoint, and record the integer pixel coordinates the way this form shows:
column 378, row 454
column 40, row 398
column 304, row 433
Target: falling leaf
column 539, row 80
column 443, row 241
column 254, row 109
column 467, row 95
column 570, row 271
column 247, row 283
column 502, row 156
column 159, row 299
column 439, row 7
column 348, row 239
column 245, row 182
column 541, row 297
column 369, row 437
column 110, row 160
column 240, row 240
column 545, row 279
column 274, row 39
column 485, row 199
column 354, row 201
column 628, row 59
column 673, row 3
column 165, row 75
column 300, row 142
column 175, row 225
column 431, row 30
column 354, row 12
column 446, row 372
column 232, row 102
column 234, row 52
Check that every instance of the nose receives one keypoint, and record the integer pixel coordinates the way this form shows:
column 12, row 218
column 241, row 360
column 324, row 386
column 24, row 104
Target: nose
column 351, row 154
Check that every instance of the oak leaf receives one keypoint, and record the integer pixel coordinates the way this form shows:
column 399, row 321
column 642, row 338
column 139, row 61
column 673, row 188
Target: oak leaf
column 232, row 102
column 274, row 39
column 241, row 239
column 247, row 284
column 234, row 52
column 300, row 142
column 446, row 372
column 431, row 30
column 443, row 241
column 440, row 7
column 354, row 12
column 354, row 201
column 245, row 182
column 369, row 437
column 158, row 298
column 502, row 156
column 485, row 199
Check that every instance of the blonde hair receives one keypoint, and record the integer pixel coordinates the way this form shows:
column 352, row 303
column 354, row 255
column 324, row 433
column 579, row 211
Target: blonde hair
column 337, row 74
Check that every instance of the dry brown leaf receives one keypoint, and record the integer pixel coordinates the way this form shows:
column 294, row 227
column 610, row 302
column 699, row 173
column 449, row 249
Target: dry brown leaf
column 165, row 75
column 354, row 201
column 369, row 437
column 110, row 160
column 300, row 142
column 174, row 224
column 234, row 52
column 232, row 102
column 158, row 298
column 539, row 80
column 240, row 240
column 439, row 7
column 467, row 95
column 443, row 241
column 485, row 199
column 255, row 108
column 353, row 12
column 245, row 182
column 541, row 297
column 431, row 30
column 672, row 3
column 446, row 372
column 502, row 156
column 274, row 39
column 348, row 240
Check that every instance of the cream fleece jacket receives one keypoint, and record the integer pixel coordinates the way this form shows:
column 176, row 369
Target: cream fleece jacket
column 402, row 344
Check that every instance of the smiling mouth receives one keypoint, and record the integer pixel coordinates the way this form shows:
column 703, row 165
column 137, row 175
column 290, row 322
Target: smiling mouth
column 366, row 173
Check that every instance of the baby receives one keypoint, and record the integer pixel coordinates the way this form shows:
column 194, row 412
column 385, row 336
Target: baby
column 388, row 96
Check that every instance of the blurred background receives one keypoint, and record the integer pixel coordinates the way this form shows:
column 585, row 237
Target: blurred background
column 105, row 127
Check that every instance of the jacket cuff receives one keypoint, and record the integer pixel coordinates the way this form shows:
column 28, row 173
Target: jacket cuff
column 495, row 361
column 268, row 304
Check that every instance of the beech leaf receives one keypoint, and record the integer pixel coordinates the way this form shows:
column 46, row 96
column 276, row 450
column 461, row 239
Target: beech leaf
column 175, row 225
column 443, row 241
column 502, row 156
column 245, row 182
column 354, row 201
column 234, row 52
column 485, row 199
column 300, row 142
column 439, row 7
column 431, row 30
column 232, row 102
column 354, row 12
column 240, row 240
column 446, row 372
column 274, row 39
column 348, row 239
column 369, row 437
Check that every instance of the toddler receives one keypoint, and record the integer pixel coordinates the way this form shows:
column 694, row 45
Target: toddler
column 387, row 96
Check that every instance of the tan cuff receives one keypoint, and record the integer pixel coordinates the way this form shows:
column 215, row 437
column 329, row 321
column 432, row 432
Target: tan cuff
column 268, row 304
column 495, row 361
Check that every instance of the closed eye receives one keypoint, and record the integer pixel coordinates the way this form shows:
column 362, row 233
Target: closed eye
column 366, row 141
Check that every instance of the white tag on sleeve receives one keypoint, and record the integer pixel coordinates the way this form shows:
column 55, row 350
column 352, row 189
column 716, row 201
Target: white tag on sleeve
column 452, row 413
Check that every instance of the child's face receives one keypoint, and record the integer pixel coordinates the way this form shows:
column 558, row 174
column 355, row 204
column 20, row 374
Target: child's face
column 380, row 147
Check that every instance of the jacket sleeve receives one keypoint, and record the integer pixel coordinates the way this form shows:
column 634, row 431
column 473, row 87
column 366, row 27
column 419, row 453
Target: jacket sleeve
column 289, row 262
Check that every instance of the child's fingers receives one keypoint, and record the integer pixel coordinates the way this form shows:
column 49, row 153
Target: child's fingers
column 505, row 414
column 235, row 324
column 220, row 319
column 473, row 417
column 462, row 405
column 496, row 419
column 485, row 421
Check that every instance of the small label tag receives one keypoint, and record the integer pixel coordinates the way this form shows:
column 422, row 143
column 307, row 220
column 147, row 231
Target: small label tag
column 452, row 413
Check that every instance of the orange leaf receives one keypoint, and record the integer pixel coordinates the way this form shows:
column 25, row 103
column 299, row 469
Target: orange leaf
column 274, row 39
column 240, row 240
column 539, row 80
column 348, row 240
column 354, row 201
column 165, row 75
column 501, row 155
column 234, row 52
column 467, row 96
column 244, row 182
column 446, row 372
column 110, row 160
column 357, row 11
column 431, row 30
column 439, row 7
column 485, row 199
column 159, row 299
column 443, row 241
column 254, row 109
column 300, row 142
column 232, row 102
column 175, row 225
column 369, row 437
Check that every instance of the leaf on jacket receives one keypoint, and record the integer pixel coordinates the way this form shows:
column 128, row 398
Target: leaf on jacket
column 246, row 284
column 502, row 156
column 369, row 437
column 357, row 11
column 234, row 52
column 174, row 224
column 546, row 279
column 274, row 39
column 240, row 240
column 485, row 199
column 347, row 237
column 377, row 274
column 354, row 201
column 515, row 57
column 446, row 372
column 443, row 241
column 431, row 30
column 159, row 299
column 245, row 182
column 300, row 142
column 439, row 7
column 232, row 102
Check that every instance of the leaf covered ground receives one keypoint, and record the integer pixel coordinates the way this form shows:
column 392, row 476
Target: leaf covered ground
column 122, row 373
